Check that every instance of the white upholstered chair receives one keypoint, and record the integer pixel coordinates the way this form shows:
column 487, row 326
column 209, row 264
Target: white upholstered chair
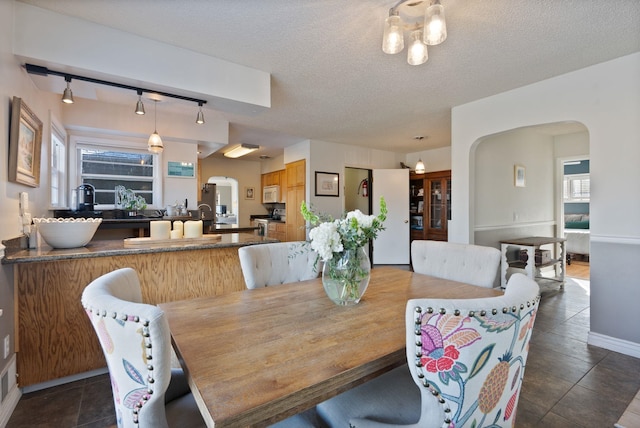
column 136, row 343
column 471, row 264
column 466, row 361
column 278, row 263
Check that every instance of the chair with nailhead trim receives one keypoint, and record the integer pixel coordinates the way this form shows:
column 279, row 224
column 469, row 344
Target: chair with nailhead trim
column 466, row 361
column 278, row 263
column 136, row 343
column 471, row 264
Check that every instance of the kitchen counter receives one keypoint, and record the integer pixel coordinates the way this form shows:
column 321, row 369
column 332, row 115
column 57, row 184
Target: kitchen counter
column 116, row 248
column 54, row 338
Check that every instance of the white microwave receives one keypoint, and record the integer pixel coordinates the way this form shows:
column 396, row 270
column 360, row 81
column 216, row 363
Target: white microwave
column 270, row 194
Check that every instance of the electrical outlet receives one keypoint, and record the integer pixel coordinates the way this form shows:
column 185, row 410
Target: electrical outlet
column 7, row 345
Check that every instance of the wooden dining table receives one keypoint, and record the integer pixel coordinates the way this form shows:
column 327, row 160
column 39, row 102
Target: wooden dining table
column 257, row 356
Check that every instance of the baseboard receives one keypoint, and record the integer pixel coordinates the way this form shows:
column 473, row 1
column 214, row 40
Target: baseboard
column 10, row 401
column 611, row 343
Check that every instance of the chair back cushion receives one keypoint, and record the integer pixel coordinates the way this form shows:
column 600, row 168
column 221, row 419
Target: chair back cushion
column 468, row 356
column 471, row 264
column 278, row 263
column 136, row 343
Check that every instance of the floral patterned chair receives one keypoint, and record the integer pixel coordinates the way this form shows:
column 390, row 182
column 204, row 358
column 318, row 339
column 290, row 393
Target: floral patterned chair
column 278, row 263
column 136, row 343
column 466, row 361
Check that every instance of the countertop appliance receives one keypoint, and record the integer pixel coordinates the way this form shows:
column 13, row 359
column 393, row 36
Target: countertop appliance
column 279, row 214
column 85, row 197
column 270, row 194
column 263, row 226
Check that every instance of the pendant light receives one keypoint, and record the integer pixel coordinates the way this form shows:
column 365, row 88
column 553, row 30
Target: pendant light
column 420, row 167
column 435, row 26
column 417, row 53
column 67, row 95
column 139, row 105
column 200, row 117
column 155, row 142
column 393, row 38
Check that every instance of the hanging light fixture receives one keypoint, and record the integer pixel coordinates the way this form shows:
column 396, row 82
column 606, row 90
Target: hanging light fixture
column 139, row 105
column 67, row 95
column 200, row 117
column 417, row 53
column 155, row 142
column 420, row 167
column 393, row 38
column 435, row 26
column 423, row 16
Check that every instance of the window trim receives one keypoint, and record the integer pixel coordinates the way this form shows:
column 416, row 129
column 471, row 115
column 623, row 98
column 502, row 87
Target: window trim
column 126, row 143
column 57, row 129
column 567, row 178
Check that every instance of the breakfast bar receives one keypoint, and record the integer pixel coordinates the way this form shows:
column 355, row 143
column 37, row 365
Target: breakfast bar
column 54, row 338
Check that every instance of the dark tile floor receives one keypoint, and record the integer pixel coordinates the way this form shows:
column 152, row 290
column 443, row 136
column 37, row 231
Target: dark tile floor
column 567, row 383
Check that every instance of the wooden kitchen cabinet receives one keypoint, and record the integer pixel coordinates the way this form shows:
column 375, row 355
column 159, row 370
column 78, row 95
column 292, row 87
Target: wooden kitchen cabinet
column 277, row 231
column 296, row 182
column 275, row 178
column 430, row 205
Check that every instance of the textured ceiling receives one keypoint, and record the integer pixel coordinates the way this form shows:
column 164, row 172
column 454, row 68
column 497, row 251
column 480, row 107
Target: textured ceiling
column 332, row 82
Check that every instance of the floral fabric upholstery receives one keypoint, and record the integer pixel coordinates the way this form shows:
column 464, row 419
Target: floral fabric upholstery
column 135, row 340
column 465, row 365
column 471, row 358
column 279, row 263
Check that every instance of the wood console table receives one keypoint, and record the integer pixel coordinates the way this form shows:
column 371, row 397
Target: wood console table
column 528, row 264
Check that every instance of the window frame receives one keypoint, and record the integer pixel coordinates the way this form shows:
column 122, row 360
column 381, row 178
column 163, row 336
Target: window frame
column 566, row 190
column 122, row 144
column 58, row 133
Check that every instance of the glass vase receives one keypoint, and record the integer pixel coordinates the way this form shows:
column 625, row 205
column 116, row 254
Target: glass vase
column 346, row 276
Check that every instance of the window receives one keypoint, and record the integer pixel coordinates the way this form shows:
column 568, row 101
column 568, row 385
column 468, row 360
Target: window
column 58, row 165
column 576, row 188
column 106, row 164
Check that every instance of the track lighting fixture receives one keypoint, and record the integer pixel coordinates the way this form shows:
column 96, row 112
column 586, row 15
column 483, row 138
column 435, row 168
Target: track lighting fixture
column 67, row 95
column 155, row 142
column 139, row 105
column 200, row 117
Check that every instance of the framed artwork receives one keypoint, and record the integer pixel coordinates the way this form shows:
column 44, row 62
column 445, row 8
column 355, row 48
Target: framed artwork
column 181, row 169
column 519, row 175
column 327, row 184
column 25, row 141
column 249, row 193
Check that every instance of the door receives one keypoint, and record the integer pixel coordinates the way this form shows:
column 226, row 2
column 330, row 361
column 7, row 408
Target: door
column 392, row 244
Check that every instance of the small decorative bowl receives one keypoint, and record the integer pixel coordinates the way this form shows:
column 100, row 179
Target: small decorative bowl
column 67, row 232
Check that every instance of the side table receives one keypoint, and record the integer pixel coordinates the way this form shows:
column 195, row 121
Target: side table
column 528, row 263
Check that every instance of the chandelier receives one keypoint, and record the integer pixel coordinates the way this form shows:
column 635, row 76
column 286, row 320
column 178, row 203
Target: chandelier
column 423, row 19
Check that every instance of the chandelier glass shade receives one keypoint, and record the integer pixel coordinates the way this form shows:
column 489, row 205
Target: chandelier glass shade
column 155, row 142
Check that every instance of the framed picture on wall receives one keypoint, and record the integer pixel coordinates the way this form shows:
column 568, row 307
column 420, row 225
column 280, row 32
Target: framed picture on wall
column 327, row 184
column 249, row 193
column 25, row 141
column 519, row 175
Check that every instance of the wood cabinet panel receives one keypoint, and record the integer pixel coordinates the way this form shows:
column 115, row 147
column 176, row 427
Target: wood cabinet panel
column 54, row 338
column 430, row 205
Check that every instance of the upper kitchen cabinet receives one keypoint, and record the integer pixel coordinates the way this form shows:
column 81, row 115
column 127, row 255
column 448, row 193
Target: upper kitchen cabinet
column 275, row 178
column 430, row 205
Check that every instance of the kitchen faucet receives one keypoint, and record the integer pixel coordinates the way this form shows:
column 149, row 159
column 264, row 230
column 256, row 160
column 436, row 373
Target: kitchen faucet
column 205, row 205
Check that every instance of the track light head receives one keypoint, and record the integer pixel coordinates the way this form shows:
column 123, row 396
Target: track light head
column 200, row 117
column 67, row 95
column 139, row 105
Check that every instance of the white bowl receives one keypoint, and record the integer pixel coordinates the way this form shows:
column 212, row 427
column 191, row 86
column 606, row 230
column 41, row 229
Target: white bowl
column 67, row 232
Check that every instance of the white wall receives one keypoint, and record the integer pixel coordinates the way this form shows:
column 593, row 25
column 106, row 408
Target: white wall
column 606, row 99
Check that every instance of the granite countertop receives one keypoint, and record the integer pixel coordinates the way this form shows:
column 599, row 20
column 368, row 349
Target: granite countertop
column 105, row 248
